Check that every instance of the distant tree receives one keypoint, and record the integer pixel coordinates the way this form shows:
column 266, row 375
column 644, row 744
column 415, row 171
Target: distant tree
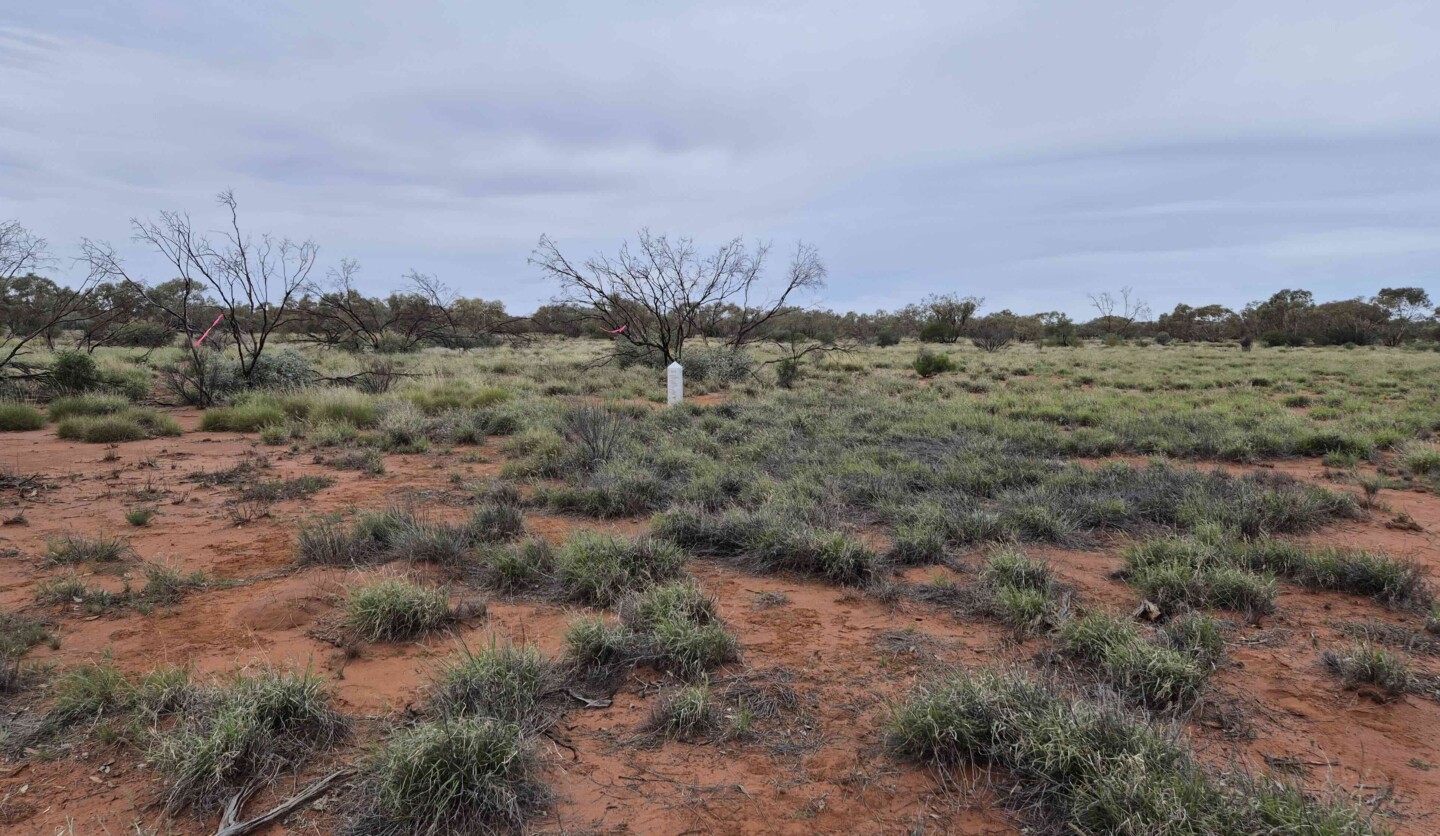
column 1118, row 315
column 31, row 307
column 256, row 284
column 945, row 317
column 661, row 294
column 1409, row 309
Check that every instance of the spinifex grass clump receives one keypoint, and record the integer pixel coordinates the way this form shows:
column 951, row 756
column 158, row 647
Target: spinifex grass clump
column 70, row 549
column 460, row 774
column 1366, row 664
column 1225, row 572
column 251, row 727
column 1021, row 592
column 1151, row 674
column 19, row 417
column 513, row 683
column 767, row 541
column 392, row 609
column 399, row 533
column 129, row 425
column 674, row 627
column 1093, row 768
column 599, row 569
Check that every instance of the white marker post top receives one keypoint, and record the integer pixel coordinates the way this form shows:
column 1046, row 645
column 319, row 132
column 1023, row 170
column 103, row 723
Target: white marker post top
column 675, row 383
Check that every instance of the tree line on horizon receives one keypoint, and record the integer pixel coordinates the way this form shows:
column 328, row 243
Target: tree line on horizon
column 648, row 299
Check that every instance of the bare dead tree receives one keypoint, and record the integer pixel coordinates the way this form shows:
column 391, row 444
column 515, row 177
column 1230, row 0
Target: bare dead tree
column 256, row 283
column 33, row 307
column 1131, row 308
column 664, row 292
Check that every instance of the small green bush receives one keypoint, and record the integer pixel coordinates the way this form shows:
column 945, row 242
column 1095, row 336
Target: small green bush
column 79, row 405
column 393, row 609
column 19, row 417
column 598, row 569
column 511, row 683
column 462, row 774
column 130, row 425
column 929, row 364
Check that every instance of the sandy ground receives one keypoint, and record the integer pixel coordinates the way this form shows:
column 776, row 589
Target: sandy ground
column 823, row 768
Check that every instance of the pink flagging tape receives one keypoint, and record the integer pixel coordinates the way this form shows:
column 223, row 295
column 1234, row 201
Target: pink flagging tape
column 619, row 330
column 208, row 330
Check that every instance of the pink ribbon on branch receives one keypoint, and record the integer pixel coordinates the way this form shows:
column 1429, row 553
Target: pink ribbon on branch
column 208, row 330
column 619, row 330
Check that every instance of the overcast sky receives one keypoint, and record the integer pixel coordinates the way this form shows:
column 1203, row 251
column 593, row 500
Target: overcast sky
column 1027, row 152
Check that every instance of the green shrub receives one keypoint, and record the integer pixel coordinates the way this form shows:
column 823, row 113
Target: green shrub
column 245, row 417
column 74, row 371
column 18, row 417
column 254, row 726
column 598, row 569
column 929, row 364
column 130, row 425
column 141, row 517
column 80, row 405
column 393, row 609
column 1366, row 664
column 461, row 774
column 511, row 683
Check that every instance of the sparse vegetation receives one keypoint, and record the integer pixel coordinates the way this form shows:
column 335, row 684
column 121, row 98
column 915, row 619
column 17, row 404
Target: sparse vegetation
column 19, row 417
column 391, row 609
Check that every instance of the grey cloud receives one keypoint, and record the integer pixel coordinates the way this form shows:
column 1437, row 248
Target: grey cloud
column 1026, row 152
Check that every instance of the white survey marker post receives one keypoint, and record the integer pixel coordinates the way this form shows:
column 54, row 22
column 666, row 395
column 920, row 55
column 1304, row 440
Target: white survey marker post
column 675, row 382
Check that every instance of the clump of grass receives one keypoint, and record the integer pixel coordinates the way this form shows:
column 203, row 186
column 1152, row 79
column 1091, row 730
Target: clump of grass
column 1197, row 635
column 246, row 417
column 91, row 690
column 599, row 569
column 393, row 609
column 518, row 567
column 686, row 713
column 512, row 683
column 772, row 542
column 403, row 429
column 71, row 549
column 492, row 522
column 164, row 691
column 129, row 425
column 459, row 774
column 677, row 628
column 1420, row 458
column 1062, row 757
column 254, row 726
column 600, row 647
column 87, row 405
column 70, row 589
column 141, row 516
column 367, row 460
column 19, row 417
column 1151, row 674
column 19, row 633
column 1022, row 593
column 165, row 583
column 276, row 490
column 1366, row 664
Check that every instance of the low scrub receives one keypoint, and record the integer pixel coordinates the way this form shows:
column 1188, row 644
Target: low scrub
column 457, row 774
column 19, row 417
column 394, row 609
column 599, row 569
column 512, row 683
column 766, row 541
column 129, row 425
column 72, row 549
column 1089, row 768
column 87, row 405
column 251, row 727
column 1364, row 664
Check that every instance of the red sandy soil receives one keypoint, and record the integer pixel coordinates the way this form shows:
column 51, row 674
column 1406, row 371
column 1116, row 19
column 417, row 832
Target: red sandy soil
column 823, row 769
